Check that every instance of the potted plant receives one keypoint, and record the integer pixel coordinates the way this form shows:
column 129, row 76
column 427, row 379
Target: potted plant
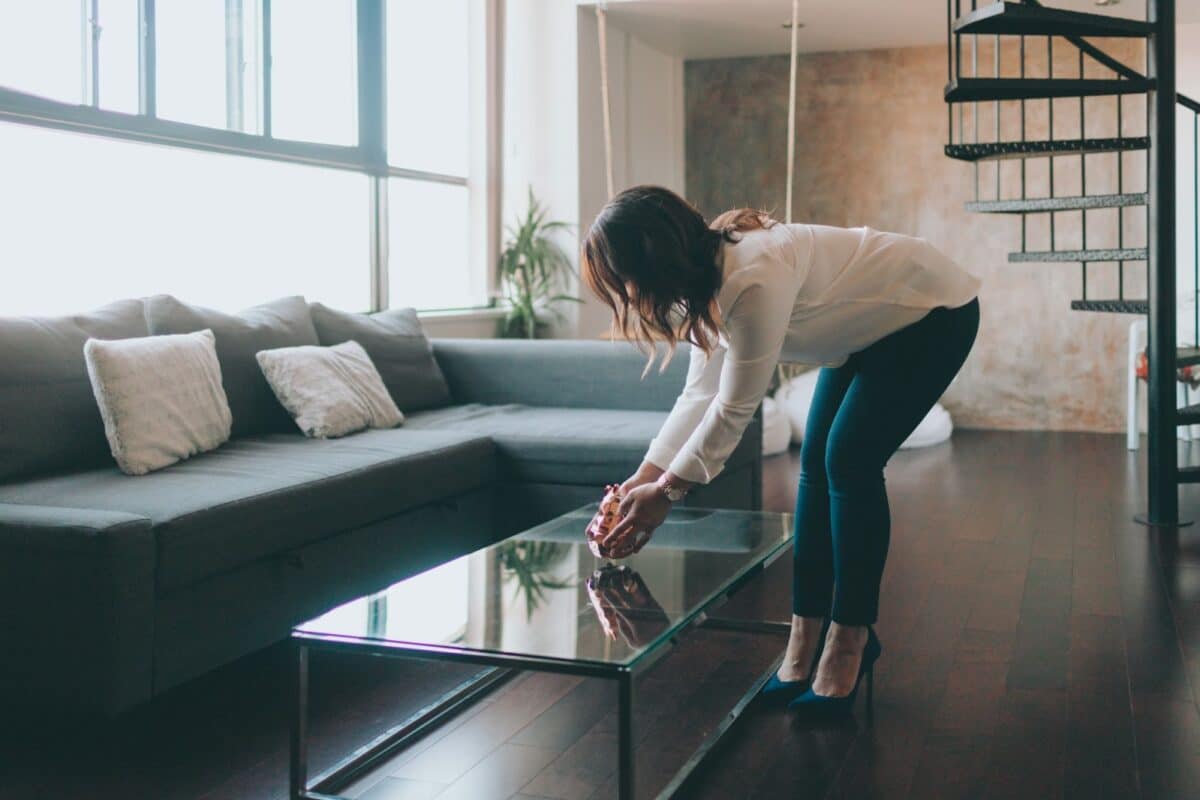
column 534, row 272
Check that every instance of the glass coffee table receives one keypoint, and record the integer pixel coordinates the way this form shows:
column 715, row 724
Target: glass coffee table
column 540, row 601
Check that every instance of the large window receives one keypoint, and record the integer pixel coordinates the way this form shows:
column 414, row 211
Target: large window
column 230, row 151
column 123, row 219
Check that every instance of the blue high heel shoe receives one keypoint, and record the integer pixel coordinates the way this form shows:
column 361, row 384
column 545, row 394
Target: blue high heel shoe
column 819, row 705
column 779, row 692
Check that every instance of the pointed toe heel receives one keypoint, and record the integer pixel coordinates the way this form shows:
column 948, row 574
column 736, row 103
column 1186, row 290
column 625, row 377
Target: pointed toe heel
column 779, row 692
column 816, row 705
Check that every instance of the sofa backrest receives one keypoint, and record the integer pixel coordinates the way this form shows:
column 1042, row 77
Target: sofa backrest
column 48, row 414
column 285, row 322
column 575, row 373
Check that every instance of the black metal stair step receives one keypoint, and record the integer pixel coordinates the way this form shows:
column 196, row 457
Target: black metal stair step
column 989, row 151
column 1069, row 256
column 1015, row 19
column 1036, row 204
column 1187, row 357
column 1189, row 475
column 1112, row 306
column 969, row 90
column 1188, row 415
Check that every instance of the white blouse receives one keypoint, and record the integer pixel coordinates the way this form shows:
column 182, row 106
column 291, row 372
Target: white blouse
column 809, row 294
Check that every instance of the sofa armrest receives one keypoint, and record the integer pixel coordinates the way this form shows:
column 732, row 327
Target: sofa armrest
column 76, row 608
column 557, row 372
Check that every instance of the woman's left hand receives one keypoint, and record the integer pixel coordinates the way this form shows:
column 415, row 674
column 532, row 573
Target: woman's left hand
column 641, row 511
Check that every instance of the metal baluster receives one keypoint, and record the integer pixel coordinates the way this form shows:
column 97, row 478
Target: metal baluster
column 1196, row 225
column 1050, row 106
column 1024, row 216
column 996, row 114
column 1120, row 190
column 958, row 68
column 975, row 106
column 1083, row 176
column 950, row 68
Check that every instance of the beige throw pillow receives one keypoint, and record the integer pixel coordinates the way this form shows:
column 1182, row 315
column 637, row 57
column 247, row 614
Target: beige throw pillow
column 160, row 398
column 329, row 391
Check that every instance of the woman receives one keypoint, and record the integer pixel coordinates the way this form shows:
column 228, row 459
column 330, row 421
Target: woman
column 889, row 318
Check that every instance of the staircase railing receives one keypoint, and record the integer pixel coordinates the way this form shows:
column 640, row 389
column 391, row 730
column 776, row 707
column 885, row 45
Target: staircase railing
column 1165, row 273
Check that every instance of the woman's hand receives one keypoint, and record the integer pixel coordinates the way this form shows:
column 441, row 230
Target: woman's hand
column 641, row 511
column 647, row 473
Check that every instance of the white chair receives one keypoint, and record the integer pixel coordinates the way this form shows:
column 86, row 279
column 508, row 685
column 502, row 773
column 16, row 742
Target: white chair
column 1185, row 395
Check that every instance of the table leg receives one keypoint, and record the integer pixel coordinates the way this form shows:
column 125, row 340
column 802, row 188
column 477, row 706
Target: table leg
column 625, row 736
column 298, row 767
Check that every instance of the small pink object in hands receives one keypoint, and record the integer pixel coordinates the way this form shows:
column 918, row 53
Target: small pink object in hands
column 607, row 516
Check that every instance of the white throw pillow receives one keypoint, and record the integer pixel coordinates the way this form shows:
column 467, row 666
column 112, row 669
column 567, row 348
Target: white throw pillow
column 329, row 391
column 160, row 397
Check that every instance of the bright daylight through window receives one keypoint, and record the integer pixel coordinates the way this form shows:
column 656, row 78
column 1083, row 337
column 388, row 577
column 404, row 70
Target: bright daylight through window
column 212, row 151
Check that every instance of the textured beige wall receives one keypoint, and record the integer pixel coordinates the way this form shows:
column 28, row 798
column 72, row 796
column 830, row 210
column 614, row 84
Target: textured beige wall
column 871, row 126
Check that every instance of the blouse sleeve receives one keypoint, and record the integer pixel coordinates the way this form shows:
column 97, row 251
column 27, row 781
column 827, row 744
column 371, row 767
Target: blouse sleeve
column 704, row 373
column 757, row 324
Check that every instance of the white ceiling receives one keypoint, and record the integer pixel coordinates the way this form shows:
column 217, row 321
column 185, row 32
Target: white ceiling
column 730, row 28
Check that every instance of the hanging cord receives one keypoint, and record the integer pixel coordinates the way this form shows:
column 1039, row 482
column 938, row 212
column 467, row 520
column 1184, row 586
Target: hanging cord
column 781, row 374
column 602, row 32
column 791, row 143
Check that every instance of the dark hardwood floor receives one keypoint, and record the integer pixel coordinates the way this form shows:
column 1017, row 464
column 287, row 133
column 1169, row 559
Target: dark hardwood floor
column 1037, row 644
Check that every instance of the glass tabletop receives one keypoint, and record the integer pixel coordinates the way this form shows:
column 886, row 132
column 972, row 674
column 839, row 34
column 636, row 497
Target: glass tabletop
column 542, row 595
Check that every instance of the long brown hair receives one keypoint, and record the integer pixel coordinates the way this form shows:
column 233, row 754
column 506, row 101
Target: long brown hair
column 652, row 258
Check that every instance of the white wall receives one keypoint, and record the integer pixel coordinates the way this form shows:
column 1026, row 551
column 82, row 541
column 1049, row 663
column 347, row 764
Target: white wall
column 646, row 97
column 541, row 143
column 553, row 134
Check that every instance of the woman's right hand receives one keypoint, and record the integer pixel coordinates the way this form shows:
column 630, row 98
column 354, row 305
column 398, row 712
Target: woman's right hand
column 646, row 473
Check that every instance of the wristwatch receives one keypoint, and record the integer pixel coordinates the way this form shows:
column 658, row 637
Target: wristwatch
column 673, row 492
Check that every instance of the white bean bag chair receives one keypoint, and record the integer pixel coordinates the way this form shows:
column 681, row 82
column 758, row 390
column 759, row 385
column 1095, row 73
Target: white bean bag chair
column 777, row 430
column 796, row 396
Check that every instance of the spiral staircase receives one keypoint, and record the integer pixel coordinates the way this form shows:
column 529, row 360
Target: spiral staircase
column 1022, row 26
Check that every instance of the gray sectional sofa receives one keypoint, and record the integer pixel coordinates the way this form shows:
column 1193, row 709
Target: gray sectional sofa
column 114, row 588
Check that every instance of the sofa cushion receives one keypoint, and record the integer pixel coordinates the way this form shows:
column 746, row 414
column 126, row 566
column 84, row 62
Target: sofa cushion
column 48, row 415
column 264, row 495
column 329, row 391
column 281, row 323
column 398, row 347
column 585, row 446
column 160, row 398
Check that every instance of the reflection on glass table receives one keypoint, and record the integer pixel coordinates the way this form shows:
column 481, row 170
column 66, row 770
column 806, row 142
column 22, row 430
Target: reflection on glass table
column 624, row 605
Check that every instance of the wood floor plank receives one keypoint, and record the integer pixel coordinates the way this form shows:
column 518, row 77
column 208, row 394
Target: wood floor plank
column 564, row 723
column 453, row 756
column 1043, row 634
column 1101, row 758
column 1027, row 750
column 402, row 789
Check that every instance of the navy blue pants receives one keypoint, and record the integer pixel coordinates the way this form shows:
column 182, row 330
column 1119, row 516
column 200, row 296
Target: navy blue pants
column 861, row 413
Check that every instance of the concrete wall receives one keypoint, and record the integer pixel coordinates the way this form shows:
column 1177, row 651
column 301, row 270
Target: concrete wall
column 871, row 126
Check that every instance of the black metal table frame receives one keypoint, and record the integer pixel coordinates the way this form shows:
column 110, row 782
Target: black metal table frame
column 501, row 667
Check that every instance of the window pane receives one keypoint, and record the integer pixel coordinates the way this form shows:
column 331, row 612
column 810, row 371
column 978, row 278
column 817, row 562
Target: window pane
column 313, row 67
column 427, row 85
column 41, row 48
column 427, row 246
column 85, row 220
column 119, row 55
column 190, row 53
